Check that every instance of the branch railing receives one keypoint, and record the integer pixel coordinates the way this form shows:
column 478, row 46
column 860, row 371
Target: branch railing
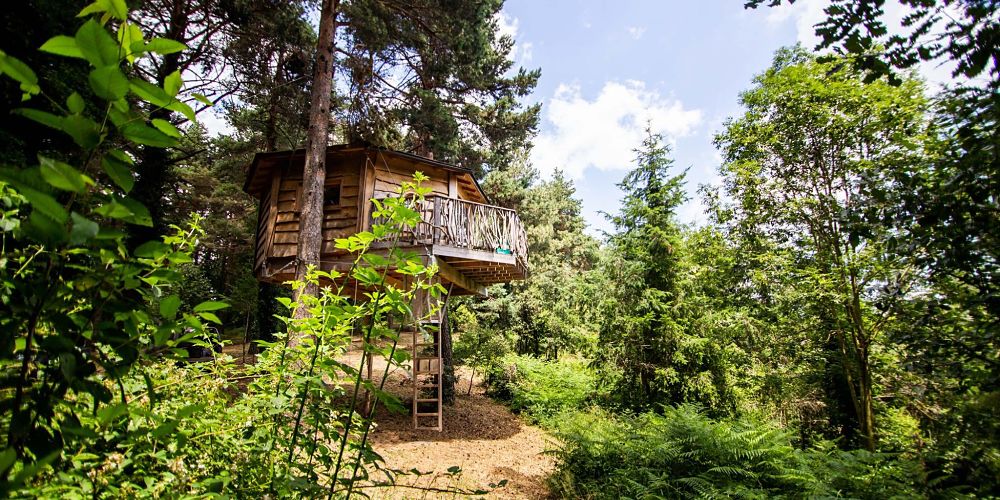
column 469, row 225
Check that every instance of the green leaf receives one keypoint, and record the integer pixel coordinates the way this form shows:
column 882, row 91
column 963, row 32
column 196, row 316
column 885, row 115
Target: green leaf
column 109, row 83
column 207, row 316
column 166, row 127
column 83, row 229
column 94, row 8
column 190, row 409
column 202, row 99
column 151, row 250
column 84, row 131
column 7, row 458
column 43, row 117
column 44, row 229
column 139, row 133
column 116, row 8
column 75, row 103
column 210, row 305
column 164, row 46
column 118, row 171
column 163, row 429
column 141, row 215
column 150, row 93
column 96, row 45
column 62, row 176
column 62, row 45
column 44, row 204
column 169, row 306
column 172, row 83
column 121, row 156
column 127, row 210
column 129, row 35
column 20, row 72
column 183, row 109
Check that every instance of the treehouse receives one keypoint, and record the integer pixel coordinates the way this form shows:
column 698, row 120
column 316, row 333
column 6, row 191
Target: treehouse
column 473, row 243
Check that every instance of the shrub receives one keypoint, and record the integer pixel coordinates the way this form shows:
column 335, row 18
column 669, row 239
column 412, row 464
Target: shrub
column 682, row 453
column 541, row 388
column 677, row 454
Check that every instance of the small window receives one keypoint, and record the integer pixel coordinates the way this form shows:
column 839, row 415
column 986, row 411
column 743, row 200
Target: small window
column 331, row 196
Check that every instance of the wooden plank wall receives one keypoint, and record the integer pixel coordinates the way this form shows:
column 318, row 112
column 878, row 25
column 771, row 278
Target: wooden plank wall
column 263, row 231
column 388, row 178
column 338, row 221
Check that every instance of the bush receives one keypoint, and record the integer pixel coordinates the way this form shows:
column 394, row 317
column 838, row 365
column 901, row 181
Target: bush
column 677, row 454
column 541, row 388
column 682, row 453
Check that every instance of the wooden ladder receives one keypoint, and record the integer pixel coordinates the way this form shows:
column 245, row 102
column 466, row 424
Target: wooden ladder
column 427, row 371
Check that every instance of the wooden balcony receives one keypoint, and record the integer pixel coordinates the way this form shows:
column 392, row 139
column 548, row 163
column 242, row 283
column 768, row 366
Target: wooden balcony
column 483, row 243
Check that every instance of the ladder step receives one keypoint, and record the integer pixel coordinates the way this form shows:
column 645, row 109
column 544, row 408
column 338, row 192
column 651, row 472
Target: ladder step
column 427, row 386
column 425, row 344
column 427, row 414
column 428, row 400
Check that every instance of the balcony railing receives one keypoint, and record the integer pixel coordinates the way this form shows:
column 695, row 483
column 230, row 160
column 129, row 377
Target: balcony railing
column 468, row 225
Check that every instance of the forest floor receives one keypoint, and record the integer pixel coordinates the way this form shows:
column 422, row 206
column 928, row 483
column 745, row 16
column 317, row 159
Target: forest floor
column 482, row 437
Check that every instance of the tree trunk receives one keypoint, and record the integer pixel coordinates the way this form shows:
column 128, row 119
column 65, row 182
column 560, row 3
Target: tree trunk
column 314, row 174
column 154, row 163
column 447, row 358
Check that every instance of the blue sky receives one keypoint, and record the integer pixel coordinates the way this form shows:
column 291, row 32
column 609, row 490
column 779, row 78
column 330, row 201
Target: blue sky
column 609, row 67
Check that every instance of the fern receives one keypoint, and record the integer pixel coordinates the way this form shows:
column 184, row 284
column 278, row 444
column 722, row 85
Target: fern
column 684, row 454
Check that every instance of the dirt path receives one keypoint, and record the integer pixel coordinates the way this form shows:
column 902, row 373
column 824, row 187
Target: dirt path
column 480, row 436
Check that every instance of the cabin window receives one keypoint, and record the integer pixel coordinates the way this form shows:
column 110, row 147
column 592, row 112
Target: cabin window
column 331, row 196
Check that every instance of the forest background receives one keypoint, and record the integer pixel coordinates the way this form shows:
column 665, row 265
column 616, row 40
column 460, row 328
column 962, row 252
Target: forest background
column 830, row 330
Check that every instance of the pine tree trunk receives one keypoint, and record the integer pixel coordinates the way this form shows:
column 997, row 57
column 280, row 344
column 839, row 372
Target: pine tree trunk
column 448, row 359
column 314, row 174
column 153, row 167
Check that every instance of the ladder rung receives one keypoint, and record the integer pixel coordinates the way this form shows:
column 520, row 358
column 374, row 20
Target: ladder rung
column 428, row 386
column 427, row 414
column 428, row 400
column 425, row 344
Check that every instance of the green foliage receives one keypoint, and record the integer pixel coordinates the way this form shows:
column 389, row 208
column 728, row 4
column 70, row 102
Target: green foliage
column 100, row 400
column 476, row 347
column 437, row 77
column 655, row 345
column 681, row 453
column 82, row 309
column 542, row 388
column 802, row 174
column 554, row 310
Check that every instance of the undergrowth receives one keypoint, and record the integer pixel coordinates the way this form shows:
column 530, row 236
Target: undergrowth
column 678, row 451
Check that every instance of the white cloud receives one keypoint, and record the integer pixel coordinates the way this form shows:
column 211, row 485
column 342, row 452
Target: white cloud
column 602, row 133
column 214, row 123
column 509, row 26
column 527, row 51
column 806, row 14
column 636, row 32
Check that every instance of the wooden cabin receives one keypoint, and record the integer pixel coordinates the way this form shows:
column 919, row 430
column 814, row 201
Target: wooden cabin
column 473, row 243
